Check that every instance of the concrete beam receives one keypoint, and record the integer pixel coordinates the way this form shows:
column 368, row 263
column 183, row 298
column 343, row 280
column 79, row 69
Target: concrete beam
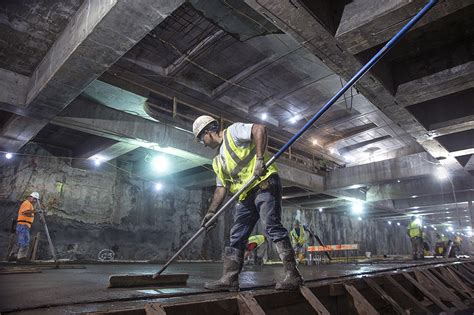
column 87, row 116
column 414, row 187
column 452, row 126
column 437, row 85
column 95, row 38
column 411, row 166
column 436, row 200
column 301, row 24
column 17, row 131
column 13, row 87
column 368, row 23
column 90, row 117
column 113, row 151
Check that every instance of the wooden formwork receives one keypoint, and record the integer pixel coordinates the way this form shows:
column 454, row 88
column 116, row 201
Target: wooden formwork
column 429, row 289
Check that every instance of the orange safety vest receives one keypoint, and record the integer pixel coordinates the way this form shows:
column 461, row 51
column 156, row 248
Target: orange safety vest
column 25, row 219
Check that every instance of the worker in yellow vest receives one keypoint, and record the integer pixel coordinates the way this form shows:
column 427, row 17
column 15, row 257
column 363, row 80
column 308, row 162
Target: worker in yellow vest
column 298, row 240
column 254, row 242
column 241, row 156
column 415, row 233
column 441, row 244
column 26, row 216
column 457, row 245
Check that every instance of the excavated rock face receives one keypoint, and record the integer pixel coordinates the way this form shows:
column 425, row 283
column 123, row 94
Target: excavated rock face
column 92, row 210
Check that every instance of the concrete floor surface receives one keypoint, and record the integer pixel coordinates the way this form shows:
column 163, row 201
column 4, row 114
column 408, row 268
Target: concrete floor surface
column 63, row 287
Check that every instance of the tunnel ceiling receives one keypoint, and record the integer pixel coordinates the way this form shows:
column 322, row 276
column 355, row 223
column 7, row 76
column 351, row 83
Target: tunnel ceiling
column 278, row 63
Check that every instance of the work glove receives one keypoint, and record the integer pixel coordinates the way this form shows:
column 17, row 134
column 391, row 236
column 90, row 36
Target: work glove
column 259, row 169
column 206, row 218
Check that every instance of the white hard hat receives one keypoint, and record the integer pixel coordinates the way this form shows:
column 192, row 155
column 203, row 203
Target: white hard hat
column 35, row 195
column 200, row 123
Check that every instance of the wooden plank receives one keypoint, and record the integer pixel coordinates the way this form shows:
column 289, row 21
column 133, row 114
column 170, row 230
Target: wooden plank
column 248, row 305
column 452, row 275
column 327, row 248
column 314, row 301
column 460, row 275
column 409, row 295
column 154, row 309
column 35, row 246
column 361, row 304
column 444, row 293
column 11, row 245
column 15, row 270
column 427, row 293
column 384, row 296
column 468, row 272
column 447, row 279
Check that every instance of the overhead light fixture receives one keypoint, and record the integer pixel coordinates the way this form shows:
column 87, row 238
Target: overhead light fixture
column 8, row 155
column 264, row 116
column 414, row 196
column 315, row 142
column 320, row 209
column 435, row 229
column 389, row 222
column 441, row 173
column 97, row 160
column 357, row 207
column 159, row 163
column 158, row 186
column 359, row 218
column 332, row 151
column 450, row 228
column 432, row 226
column 398, row 223
column 398, row 181
column 293, row 119
column 425, row 227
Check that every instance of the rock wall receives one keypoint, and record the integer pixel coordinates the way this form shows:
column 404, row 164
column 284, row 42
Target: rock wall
column 90, row 210
column 376, row 237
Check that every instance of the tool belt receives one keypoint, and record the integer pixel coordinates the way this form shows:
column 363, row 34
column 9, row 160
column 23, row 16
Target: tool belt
column 265, row 184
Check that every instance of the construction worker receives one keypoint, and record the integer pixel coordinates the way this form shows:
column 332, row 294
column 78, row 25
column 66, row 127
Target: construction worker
column 415, row 233
column 298, row 240
column 457, row 245
column 241, row 155
column 26, row 216
column 254, row 242
column 441, row 243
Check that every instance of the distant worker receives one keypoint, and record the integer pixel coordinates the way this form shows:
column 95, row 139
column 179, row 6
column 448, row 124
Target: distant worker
column 441, row 244
column 298, row 240
column 457, row 245
column 26, row 216
column 254, row 242
column 241, row 155
column 415, row 233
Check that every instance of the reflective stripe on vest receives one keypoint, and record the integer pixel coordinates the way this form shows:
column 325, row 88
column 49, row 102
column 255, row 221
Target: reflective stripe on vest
column 414, row 229
column 239, row 166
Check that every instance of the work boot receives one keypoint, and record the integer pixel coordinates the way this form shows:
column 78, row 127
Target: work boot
column 233, row 262
column 293, row 279
column 22, row 254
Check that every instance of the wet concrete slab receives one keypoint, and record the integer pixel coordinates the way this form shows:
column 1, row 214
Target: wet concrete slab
column 69, row 287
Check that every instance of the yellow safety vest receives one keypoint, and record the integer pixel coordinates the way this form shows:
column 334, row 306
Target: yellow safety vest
column 295, row 239
column 257, row 239
column 239, row 166
column 414, row 229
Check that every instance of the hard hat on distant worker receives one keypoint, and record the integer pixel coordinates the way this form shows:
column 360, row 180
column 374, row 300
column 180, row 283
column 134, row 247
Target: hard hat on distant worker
column 200, row 123
column 35, row 195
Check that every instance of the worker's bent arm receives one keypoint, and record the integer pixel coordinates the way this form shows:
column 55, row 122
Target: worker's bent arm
column 259, row 134
column 219, row 196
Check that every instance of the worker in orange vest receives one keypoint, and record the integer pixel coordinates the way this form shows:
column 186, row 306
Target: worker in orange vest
column 26, row 216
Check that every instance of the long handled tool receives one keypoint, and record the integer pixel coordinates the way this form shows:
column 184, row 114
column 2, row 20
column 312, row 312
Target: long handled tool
column 46, row 231
column 341, row 92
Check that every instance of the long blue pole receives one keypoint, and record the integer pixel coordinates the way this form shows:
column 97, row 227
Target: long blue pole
column 350, row 83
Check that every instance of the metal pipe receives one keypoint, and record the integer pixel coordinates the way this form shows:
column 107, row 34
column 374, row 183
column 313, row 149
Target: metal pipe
column 341, row 92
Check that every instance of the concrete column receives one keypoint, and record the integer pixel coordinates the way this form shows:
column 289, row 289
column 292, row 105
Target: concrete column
column 471, row 208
